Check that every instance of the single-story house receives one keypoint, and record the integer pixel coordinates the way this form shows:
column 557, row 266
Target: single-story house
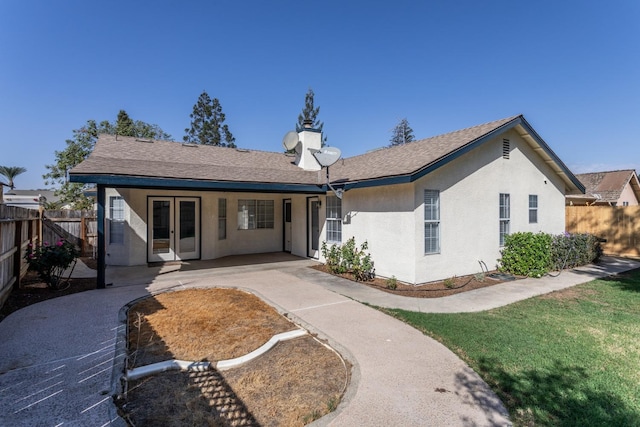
column 429, row 209
column 29, row 199
column 612, row 188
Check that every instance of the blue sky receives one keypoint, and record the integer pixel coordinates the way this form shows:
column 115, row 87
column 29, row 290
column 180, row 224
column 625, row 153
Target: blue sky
column 571, row 67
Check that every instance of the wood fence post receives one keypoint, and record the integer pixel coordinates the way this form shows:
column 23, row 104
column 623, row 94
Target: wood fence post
column 17, row 256
column 83, row 233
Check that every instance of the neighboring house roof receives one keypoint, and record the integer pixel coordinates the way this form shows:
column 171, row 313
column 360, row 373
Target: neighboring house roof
column 608, row 186
column 29, row 198
column 123, row 161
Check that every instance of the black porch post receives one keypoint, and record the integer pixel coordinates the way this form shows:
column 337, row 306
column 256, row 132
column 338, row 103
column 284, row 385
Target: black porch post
column 101, row 237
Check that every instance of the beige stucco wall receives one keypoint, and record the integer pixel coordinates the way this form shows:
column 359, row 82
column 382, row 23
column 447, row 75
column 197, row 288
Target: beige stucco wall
column 469, row 206
column 384, row 217
column 134, row 249
column 627, row 195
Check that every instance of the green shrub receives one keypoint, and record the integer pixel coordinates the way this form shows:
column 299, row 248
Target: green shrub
column 50, row 261
column 392, row 283
column 573, row 250
column 348, row 258
column 450, row 282
column 534, row 255
column 526, row 254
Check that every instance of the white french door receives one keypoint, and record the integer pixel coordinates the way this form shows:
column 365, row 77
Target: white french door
column 174, row 228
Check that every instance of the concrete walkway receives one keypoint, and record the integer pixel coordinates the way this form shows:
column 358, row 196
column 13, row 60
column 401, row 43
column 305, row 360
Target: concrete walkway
column 56, row 356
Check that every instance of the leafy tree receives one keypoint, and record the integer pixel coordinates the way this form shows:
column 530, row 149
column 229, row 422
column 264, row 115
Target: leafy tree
column 310, row 113
column 207, row 124
column 10, row 172
column 81, row 145
column 401, row 134
column 125, row 126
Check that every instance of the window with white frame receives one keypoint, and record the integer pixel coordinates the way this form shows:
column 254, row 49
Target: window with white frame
column 431, row 221
column 533, row 209
column 254, row 214
column 505, row 216
column 334, row 219
column 116, row 220
column 222, row 219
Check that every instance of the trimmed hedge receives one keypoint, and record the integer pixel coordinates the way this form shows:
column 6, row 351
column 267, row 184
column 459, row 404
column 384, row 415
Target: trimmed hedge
column 534, row 255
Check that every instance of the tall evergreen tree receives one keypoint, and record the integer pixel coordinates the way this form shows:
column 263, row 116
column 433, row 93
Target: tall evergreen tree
column 81, row 145
column 207, row 124
column 401, row 134
column 124, row 124
column 10, row 172
column 310, row 113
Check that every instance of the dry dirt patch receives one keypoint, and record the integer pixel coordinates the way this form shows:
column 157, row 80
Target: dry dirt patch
column 442, row 288
column 293, row 384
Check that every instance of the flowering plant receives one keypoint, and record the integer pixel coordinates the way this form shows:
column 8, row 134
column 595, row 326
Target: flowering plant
column 50, row 261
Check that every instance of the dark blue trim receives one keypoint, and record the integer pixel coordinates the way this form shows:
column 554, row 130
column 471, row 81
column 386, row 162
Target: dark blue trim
column 101, row 237
column 188, row 184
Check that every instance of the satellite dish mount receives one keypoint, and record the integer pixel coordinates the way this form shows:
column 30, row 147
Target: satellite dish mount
column 327, row 156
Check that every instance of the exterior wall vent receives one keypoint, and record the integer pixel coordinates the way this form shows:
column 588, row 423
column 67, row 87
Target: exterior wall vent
column 506, row 148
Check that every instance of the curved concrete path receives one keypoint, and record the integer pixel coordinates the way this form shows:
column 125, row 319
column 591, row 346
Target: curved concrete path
column 56, row 356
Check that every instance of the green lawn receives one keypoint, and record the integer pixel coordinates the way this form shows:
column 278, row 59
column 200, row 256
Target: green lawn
column 570, row 358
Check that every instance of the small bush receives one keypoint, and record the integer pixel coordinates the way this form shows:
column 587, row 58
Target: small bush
column 392, row 283
column 50, row 261
column 347, row 258
column 534, row 255
column 526, row 254
column 573, row 250
column 450, row 282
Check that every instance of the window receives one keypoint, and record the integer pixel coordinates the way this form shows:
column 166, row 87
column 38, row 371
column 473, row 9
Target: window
column 254, row 214
column 533, row 209
column 505, row 213
column 222, row 219
column 334, row 219
column 625, row 203
column 431, row 221
column 116, row 217
column 506, row 148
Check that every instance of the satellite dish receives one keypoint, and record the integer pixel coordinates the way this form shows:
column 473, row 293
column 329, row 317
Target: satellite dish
column 290, row 140
column 327, row 156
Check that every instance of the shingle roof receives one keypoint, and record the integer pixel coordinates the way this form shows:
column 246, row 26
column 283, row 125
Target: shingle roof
column 164, row 159
column 412, row 157
column 129, row 157
column 606, row 186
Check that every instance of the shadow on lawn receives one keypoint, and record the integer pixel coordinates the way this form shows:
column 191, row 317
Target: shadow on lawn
column 558, row 396
column 627, row 281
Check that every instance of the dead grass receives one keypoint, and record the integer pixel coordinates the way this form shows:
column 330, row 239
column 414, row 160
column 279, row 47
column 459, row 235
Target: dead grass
column 294, row 383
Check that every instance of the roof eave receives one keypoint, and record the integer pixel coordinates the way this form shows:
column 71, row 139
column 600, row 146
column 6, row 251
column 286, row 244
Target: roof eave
column 560, row 168
column 129, row 181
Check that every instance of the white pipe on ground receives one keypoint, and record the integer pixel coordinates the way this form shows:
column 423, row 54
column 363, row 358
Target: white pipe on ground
column 183, row 365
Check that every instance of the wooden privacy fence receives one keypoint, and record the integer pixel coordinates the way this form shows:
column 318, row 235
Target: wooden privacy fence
column 78, row 227
column 619, row 225
column 18, row 228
